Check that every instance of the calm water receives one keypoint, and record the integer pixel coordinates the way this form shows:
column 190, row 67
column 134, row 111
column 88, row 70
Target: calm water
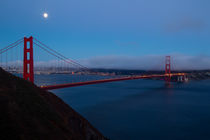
column 141, row 109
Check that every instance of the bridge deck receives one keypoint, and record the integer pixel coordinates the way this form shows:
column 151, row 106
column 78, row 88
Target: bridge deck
column 51, row 87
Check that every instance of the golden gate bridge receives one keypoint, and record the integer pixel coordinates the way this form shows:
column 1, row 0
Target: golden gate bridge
column 23, row 58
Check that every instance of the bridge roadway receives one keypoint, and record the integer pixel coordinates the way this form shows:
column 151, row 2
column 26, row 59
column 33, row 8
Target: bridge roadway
column 58, row 86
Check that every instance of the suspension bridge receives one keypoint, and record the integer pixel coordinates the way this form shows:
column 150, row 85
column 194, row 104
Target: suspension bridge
column 29, row 56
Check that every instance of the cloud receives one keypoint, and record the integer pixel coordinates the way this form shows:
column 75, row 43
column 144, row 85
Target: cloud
column 47, row 63
column 186, row 24
column 149, row 62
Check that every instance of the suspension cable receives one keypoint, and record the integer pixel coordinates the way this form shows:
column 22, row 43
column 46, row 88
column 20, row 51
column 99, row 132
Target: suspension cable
column 72, row 61
column 15, row 43
column 10, row 47
column 55, row 55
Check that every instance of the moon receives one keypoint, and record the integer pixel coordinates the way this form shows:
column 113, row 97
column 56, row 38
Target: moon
column 45, row 15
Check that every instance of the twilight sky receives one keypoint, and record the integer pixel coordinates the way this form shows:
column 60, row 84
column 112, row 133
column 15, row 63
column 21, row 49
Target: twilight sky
column 114, row 31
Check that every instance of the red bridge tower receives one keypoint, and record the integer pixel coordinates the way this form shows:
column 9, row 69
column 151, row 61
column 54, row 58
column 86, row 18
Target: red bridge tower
column 28, row 63
column 168, row 69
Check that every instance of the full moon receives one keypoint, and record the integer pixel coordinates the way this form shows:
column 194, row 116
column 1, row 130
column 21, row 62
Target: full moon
column 45, row 15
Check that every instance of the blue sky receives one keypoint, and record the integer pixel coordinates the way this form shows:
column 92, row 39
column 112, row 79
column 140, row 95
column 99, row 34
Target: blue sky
column 88, row 29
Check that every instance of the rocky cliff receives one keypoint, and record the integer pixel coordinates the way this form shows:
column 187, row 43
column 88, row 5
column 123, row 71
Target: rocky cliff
column 29, row 113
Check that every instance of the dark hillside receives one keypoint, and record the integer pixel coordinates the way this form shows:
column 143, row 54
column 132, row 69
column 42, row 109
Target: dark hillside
column 29, row 113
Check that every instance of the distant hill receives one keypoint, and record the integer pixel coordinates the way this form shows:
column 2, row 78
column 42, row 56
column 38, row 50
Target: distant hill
column 29, row 113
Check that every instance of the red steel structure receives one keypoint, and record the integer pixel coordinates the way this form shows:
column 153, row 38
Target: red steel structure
column 28, row 62
column 28, row 66
column 168, row 69
column 58, row 86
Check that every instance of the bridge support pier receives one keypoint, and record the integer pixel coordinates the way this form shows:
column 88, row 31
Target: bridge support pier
column 28, row 62
column 182, row 78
